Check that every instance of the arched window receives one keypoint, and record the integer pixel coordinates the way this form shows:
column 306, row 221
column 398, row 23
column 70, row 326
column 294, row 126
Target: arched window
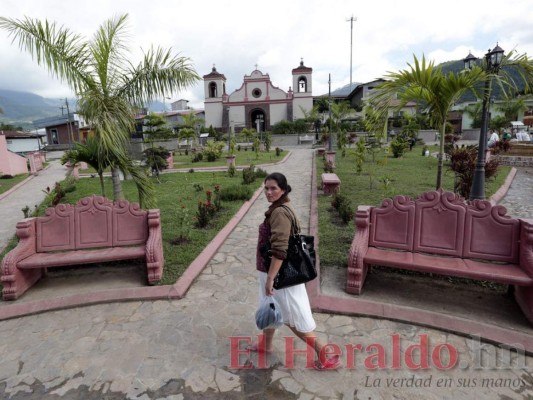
column 212, row 89
column 302, row 84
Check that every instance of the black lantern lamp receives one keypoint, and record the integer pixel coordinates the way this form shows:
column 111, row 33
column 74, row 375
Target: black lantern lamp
column 469, row 61
column 496, row 56
column 493, row 60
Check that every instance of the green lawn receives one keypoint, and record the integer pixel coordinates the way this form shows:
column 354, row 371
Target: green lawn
column 410, row 175
column 242, row 158
column 178, row 191
column 6, row 184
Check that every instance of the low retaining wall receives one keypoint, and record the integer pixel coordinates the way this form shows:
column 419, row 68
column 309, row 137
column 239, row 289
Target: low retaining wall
column 515, row 161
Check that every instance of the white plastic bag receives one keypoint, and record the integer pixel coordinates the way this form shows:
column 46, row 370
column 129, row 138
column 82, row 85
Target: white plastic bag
column 268, row 315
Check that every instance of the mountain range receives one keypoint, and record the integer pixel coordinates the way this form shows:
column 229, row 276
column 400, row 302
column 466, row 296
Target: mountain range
column 22, row 108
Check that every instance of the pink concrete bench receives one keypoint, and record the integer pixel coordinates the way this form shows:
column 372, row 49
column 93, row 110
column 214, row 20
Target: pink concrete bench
column 330, row 183
column 440, row 233
column 93, row 231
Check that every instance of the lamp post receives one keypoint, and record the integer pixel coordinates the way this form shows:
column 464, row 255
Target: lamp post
column 330, row 144
column 492, row 63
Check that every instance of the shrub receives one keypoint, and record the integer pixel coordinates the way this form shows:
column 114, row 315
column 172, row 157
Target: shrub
column 501, row 146
column 248, row 175
column 6, row 176
column 213, row 150
column 231, row 170
column 155, row 157
column 197, row 187
column 217, row 200
column 260, row 173
column 197, row 157
column 463, row 163
column 346, row 212
column 337, row 200
column 268, row 142
column 398, row 146
column 282, row 127
column 278, row 151
column 183, row 223
column 343, row 206
column 328, row 167
column 236, row 192
column 206, row 211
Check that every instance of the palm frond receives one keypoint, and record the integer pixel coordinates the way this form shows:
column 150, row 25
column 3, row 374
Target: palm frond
column 64, row 53
column 159, row 74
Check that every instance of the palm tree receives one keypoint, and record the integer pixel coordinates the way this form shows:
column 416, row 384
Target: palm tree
column 186, row 133
column 87, row 153
column 108, row 86
column 511, row 108
column 428, row 85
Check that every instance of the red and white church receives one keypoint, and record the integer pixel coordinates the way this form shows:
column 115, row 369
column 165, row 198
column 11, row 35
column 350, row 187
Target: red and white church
column 257, row 103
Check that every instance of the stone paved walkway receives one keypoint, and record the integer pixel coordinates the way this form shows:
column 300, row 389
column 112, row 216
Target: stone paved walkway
column 181, row 349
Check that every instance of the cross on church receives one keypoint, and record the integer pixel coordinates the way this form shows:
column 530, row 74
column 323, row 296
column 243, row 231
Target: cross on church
column 256, row 66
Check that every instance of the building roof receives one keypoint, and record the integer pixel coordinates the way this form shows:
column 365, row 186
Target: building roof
column 20, row 135
column 302, row 69
column 214, row 74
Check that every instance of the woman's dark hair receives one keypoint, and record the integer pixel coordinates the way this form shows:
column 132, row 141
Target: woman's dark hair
column 280, row 180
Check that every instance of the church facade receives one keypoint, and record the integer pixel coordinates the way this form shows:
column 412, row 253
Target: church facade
column 257, row 104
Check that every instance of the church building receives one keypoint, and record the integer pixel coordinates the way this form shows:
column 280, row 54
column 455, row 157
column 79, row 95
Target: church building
column 257, row 104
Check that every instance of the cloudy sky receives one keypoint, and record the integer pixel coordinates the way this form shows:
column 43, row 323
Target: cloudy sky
column 237, row 34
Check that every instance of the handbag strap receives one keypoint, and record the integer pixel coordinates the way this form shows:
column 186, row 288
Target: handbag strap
column 294, row 221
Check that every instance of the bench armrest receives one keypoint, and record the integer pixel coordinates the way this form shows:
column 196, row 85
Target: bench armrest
column 356, row 269
column 526, row 245
column 14, row 280
column 25, row 247
column 154, row 247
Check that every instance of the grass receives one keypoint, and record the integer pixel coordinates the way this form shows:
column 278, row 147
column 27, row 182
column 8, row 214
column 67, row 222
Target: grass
column 410, row 175
column 6, row 184
column 178, row 191
column 241, row 158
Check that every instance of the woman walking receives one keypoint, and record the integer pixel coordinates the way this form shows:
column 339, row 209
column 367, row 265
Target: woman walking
column 293, row 301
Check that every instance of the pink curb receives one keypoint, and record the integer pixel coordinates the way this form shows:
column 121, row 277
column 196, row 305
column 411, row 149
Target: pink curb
column 18, row 185
column 450, row 323
column 502, row 191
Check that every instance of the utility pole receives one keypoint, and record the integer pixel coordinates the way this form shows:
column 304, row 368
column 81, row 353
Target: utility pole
column 69, row 126
column 351, row 47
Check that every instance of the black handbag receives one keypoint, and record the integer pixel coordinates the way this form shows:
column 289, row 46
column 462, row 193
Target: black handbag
column 299, row 266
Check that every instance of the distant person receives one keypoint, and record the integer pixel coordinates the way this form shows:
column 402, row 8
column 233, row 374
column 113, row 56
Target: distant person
column 506, row 136
column 493, row 138
column 522, row 136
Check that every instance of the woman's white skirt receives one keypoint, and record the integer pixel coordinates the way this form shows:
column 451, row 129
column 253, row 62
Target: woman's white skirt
column 294, row 304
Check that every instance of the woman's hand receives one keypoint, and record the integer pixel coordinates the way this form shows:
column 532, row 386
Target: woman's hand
column 275, row 265
column 269, row 286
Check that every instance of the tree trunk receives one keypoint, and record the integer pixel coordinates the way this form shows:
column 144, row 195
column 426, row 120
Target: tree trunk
column 441, row 156
column 117, row 184
column 102, row 187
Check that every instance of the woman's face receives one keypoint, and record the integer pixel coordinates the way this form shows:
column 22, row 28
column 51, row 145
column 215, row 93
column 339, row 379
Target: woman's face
column 272, row 191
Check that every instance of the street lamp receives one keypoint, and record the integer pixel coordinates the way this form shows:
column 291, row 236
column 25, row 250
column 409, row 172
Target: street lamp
column 492, row 64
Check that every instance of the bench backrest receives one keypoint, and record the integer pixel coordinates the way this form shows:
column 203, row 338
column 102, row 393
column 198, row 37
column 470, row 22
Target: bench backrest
column 93, row 222
column 441, row 222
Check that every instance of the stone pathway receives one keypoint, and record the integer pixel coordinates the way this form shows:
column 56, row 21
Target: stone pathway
column 519, row 198
column 182, row 349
